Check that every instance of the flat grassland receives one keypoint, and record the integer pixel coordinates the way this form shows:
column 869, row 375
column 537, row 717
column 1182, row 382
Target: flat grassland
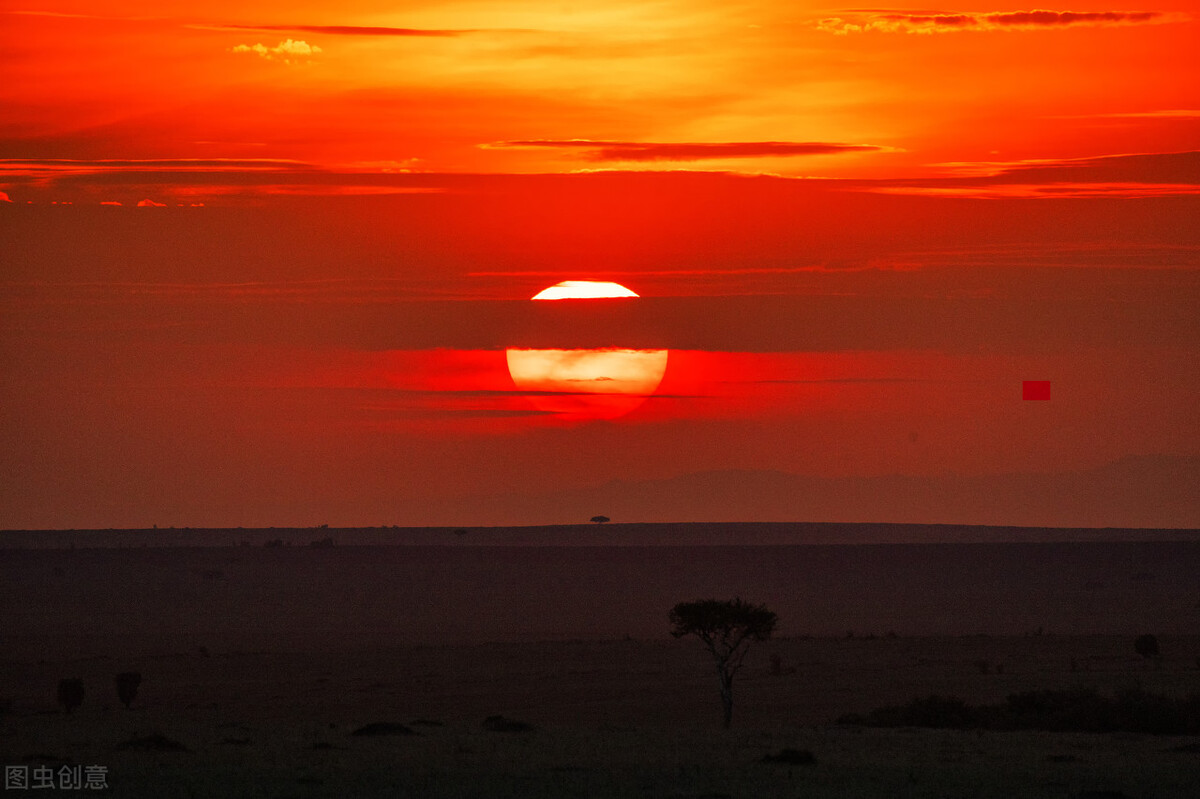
column 264, row 688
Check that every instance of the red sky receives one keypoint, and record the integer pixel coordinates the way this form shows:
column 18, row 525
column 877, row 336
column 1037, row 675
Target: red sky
column 261, row 262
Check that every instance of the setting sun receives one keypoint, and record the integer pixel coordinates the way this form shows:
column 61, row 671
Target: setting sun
column 583, row 289
column 579, row 384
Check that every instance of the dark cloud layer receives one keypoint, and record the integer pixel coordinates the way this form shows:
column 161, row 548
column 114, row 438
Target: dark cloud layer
column 739, row 324
column 594, row 150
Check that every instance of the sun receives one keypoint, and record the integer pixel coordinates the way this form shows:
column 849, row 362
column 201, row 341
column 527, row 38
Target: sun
column 587, row 383
column 583, row 290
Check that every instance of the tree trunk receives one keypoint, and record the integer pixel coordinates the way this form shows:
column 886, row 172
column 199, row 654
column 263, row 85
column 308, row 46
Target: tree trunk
column 726, row 696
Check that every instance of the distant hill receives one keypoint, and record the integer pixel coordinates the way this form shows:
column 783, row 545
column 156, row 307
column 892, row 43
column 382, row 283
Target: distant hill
column 1150, row 491
column 1138, row 498
column 309, row 542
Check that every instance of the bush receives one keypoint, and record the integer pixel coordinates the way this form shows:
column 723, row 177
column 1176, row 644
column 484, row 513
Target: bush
column 127, row 686
column 70, row 693
column 1076, row 710
column 792, row 757
column 932, row 711
column 153, row 743
column 501, row 724
column 384, row 728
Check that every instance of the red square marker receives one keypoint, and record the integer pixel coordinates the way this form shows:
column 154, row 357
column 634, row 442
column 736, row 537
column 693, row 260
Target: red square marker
column 1035, row 390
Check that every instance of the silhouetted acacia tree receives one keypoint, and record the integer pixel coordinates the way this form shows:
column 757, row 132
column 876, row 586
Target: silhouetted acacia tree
column 726, row 628
column 70, row 693
column 127, row 686
column 600, row 519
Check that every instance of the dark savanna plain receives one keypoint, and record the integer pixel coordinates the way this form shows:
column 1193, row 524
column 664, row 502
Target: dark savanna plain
column 266, row 656
column 326, row 328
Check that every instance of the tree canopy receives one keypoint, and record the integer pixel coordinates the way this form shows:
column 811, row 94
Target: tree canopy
column 723, row 622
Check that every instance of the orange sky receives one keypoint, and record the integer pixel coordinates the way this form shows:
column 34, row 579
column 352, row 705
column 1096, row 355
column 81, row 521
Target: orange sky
column 261, row 261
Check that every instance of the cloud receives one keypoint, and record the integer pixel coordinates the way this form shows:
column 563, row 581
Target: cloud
column 597, row 150
column 69, row 165
column 1127, row 175
column 187, row 178
column 1033, row 191
column 344, row 30
column 289, row 51
column 1173, row 113
column 1146, row 168
column 148, row 203
column 927, row 22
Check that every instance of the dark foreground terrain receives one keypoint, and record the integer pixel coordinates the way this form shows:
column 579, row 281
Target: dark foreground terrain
column 259, row 666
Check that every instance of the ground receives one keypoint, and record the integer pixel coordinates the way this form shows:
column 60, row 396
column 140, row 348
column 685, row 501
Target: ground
column 636, row 718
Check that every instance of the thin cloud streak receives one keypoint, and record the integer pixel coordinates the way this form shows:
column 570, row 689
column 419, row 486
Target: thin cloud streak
column 1125, row 175
column 1033, row 191
column 9, row 164
column 1172, row 113
column 600, row 150
column 919, row 22
column 331, row 30
column 347, row 30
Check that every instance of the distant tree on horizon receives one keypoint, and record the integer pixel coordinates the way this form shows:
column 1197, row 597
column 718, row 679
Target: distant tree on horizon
column 726, row 628
column 600, row 519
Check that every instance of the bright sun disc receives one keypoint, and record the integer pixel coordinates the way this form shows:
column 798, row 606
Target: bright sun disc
column 583, row 290
column 586, row 383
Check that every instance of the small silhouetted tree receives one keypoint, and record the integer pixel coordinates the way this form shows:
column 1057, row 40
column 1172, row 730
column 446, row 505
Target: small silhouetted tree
column 726, row 628
column 70, row 693
column 127, row 686
column 1146, row 646
column 600, row 519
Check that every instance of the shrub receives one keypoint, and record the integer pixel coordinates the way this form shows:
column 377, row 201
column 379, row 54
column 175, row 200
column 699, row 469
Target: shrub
column 384, row 728
column 932, row 711
column 70, row 693
column 501, row 724
column 1075, row 710
column 127, row 686
column 792, row 757
column 153, row 743
column 1146, row 646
